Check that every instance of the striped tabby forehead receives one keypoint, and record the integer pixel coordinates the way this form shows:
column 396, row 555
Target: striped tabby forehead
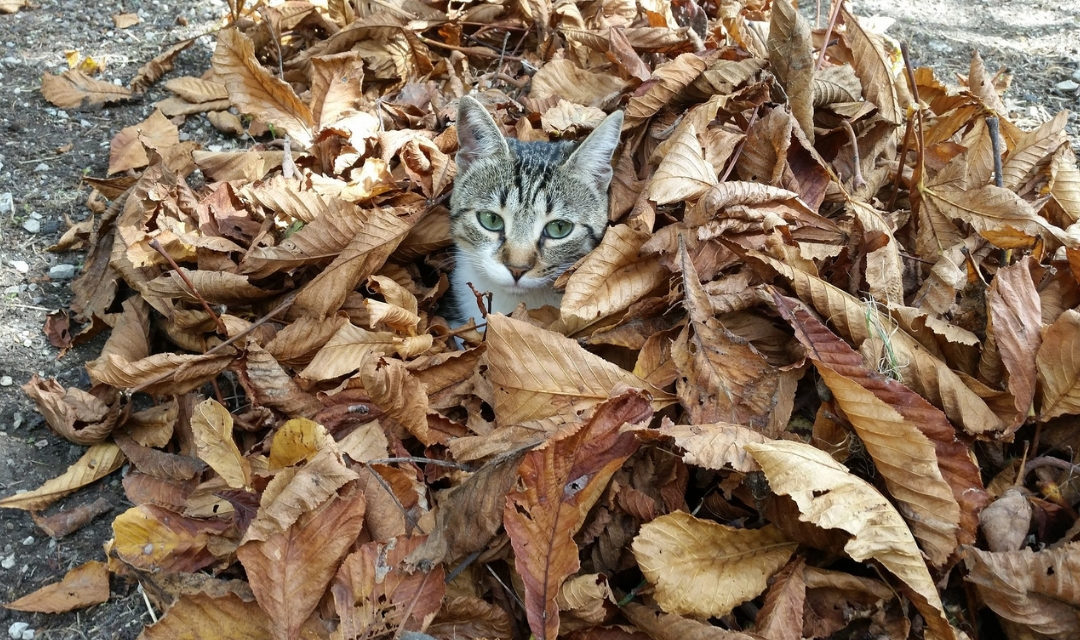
column 530, row 188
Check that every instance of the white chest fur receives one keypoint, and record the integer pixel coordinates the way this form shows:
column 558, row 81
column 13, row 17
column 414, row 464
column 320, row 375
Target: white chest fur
column 504, row 299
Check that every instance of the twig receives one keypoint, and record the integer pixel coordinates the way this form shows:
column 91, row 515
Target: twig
column 409, row 520
column 994, row 127
column 856, row 179
column 277, row 41
column 1050, row 461
column 418, row 460
column 828, row 34
column 475, row 51
column 469, row 559
column 156, row 246
column 738, row 149
column 149, row 607
column 902, row 159
column 285, row 304
column 26, row 306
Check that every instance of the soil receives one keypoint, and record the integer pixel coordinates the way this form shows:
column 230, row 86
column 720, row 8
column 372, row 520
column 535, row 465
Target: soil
column 1038, row 41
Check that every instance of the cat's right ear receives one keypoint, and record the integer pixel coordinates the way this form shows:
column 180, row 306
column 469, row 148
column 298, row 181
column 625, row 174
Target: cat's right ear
column 478, row 135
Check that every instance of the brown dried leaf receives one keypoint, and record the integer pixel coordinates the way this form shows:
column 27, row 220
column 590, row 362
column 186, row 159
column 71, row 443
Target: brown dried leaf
column 922, row 372
column 254, row 91
column 211, row 426
column 376, row 592
column 150, row 538
column 683, row 173
column 1058, row 364
column 668, row 80
column 562, row 79
column 560, row 482
column 875, row 70
column 83, row 586
column 705, row 569
column 288, row 573
column 538, row 374
column 203, row 616
column 73, row 89
column 1016, row 322
column 829, row 496
column 1037, row 589
column 612, row 277
column 997, row 214
column 99, row 461
column 781, row 617
column 791, row 58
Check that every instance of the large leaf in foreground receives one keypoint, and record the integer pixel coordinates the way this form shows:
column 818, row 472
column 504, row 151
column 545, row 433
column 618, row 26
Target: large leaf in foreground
column 829, row 496
column 560, row 482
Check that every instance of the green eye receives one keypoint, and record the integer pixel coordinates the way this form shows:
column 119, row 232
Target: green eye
column 490, row 220
column 558, row 229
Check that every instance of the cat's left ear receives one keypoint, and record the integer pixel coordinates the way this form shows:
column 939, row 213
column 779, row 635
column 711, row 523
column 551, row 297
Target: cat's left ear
column 592, row 158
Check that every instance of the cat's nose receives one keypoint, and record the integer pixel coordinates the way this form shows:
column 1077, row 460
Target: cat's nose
column 517, row 272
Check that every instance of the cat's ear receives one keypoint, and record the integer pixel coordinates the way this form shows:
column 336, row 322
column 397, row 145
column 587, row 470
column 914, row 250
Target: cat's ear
column 478, row 135
column 592, row 158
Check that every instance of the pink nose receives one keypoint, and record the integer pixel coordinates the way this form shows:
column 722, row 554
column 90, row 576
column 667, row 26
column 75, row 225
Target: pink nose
column 517, row 272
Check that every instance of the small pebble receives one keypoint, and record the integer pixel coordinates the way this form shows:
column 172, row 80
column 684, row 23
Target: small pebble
column 7, row 205
column 5, row 381
column 20, row 266
column 15, row 631
column 1067, row 86
column 1076, row 75
column 42, row 167
column 32, row 226
column 62, row 272
column 28, row 540
column 7, row 562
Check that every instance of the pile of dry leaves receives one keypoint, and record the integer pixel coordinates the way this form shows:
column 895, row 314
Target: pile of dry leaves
column 820, row 378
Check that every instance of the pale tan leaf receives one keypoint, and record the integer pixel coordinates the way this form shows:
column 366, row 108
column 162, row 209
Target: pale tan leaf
column 1058, row 363
column 254, row 91
column 211, row 426
column 997, row 214
column 564, row 80
column 829, row 496
column 683, row 174
column 1033, row 151
column 344, row 352
column 671, row 78
column 705, row 569
column 906, row 460
column 1065, row 186
column 201, row 616
column 196, row 90
column 99, row 461
column 716, row 445
column 884, row 267
column 83, row 586
column 1037, row 589
column 875, row 70
column 612, row 276
column 1016, row 322
column 237, row 165
column 74, row 89
column 126, row 150
column 539, row 374
column 791, row 59
column 294, row 491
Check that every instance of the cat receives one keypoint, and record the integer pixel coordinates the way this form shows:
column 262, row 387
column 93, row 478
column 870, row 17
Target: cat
column 521, row 213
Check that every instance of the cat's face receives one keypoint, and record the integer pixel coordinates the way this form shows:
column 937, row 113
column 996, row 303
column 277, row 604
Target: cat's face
column 522, row 213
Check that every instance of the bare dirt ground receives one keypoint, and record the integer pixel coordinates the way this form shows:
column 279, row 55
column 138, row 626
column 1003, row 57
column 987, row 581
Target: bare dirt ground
column 40, row 191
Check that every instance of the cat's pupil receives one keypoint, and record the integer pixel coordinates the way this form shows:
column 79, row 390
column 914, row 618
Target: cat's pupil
column 558, row 229
column 490, row 220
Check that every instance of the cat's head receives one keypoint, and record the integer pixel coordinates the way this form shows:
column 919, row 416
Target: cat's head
column 522, row 213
